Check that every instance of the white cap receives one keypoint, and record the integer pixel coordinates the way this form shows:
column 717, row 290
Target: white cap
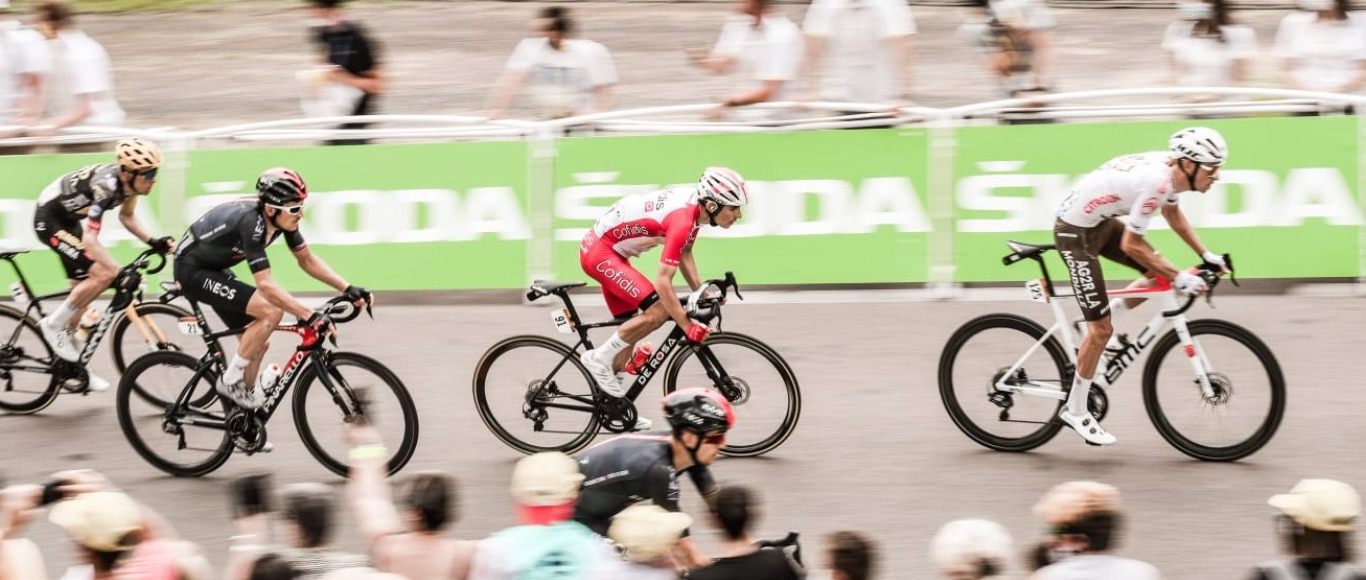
column 544, row 479
column 98, row 520
column 647, row 531
column 1326, row 505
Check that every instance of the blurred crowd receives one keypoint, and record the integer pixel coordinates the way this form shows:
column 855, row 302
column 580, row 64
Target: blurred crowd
column 287, row 533
column 856, row 51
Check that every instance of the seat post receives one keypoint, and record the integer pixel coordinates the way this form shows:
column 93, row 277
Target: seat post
column 1043, row 267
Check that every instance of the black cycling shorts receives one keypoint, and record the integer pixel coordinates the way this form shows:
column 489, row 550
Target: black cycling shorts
column 219, row 289
column 64, row 237
column 1081, row 249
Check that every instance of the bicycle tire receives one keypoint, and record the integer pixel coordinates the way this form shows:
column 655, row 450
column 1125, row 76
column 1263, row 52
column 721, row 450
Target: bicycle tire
column 1268, row 425
column 217, row 455
column 337, row 463
column 14, row 351
column 122, row 324
column 1047, row 429
column 563, row 355
column 791, row 411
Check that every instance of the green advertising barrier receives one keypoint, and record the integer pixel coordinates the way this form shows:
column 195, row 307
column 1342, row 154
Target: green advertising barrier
column 1288, row 191
column 390, row 217
column 826, row 207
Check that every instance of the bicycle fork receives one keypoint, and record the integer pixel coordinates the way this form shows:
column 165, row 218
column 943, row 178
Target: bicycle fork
column 1199, row 361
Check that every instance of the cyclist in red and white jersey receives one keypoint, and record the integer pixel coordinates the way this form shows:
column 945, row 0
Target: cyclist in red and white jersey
column 1132, row 186
column 636, row 223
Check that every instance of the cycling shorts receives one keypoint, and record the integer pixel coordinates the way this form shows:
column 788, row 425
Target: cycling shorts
column 64, row 237
column 219, row 289
column 625, row 288
column 1081, row 249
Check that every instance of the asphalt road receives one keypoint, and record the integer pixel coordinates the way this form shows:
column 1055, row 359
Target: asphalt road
column 874, row 451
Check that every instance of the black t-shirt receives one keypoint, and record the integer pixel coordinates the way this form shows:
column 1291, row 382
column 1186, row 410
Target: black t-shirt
column 230, row 233
column 348, row 47
column 765, row 564
column 629, row 469
column 86, row 192
column 1312, row 569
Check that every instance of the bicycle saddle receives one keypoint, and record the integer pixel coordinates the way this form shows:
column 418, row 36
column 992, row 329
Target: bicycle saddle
column 7, row 254
column 541, row 288
column 1022, row 250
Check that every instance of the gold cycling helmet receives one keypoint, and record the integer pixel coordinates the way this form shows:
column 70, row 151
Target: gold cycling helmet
column 137, row 155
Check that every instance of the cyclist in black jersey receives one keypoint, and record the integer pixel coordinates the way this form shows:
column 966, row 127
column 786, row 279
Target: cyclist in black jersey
column 68, row 219
column 239, row 231
column 645, row 466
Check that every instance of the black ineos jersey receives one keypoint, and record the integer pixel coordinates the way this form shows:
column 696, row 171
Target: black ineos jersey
column 629, row 469
column 230, row 233
column 86, row 192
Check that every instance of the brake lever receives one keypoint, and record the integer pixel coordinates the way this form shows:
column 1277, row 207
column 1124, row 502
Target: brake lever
column 368, row 311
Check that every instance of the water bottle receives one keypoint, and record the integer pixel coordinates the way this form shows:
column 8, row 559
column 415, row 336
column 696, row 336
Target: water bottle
column 16, row 290
column 269, row 376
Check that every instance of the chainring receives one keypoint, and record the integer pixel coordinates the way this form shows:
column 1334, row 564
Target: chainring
column 616, row 415
column 247, row 431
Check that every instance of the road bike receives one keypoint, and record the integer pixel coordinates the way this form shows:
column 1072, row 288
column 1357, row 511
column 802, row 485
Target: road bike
column 1211, row 388
column 31, row 376
column 172, row 416
column 534, row 394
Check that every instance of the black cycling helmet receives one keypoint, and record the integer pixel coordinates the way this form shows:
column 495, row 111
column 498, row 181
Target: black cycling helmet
column 280, row 185
column 699, row 410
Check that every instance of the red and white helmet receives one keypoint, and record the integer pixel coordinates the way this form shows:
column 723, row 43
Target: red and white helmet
column 722, row 185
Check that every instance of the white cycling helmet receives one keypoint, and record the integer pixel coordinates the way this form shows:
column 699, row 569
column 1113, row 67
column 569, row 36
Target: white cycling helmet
column 722, row 185
column 1199, row 144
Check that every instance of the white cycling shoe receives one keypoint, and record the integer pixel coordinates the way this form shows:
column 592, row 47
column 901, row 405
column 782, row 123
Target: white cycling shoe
column 96, row 383
column 643, row 424
column 1088, row 427
column 602, row 374
column 60, row 338
column 238, row 392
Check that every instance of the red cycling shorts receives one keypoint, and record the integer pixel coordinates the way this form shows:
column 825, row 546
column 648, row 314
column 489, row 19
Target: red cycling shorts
column 624, row 287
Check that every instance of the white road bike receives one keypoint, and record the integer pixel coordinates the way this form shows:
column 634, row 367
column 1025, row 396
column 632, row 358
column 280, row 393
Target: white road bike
column 1212, row 388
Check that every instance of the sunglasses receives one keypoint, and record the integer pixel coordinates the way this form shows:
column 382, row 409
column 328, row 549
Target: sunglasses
column 149, row 175
column 714, row 439
column 291, row 210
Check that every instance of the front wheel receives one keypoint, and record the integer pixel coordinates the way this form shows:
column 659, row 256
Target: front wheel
column 988, row 350
column 534, row 395
column 1247, row 398
column 151, row 327
column 179, row 437
column 755, row 379
column 27, row 384
column 354, row 387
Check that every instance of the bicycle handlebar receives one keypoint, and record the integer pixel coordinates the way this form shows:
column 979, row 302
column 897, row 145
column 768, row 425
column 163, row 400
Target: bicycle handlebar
column 144, row 259
column 1211, row 273
column 340, row 309
column 706, row 306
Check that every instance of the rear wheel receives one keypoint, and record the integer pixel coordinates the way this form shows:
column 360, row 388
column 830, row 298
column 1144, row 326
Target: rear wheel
column 184, row 440
column 27, row 384
column 534, row 395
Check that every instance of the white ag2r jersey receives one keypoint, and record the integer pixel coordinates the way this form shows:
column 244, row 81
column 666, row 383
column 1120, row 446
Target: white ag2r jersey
column 1133, row 185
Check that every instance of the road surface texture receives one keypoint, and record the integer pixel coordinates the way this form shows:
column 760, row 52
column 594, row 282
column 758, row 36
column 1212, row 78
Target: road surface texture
column 874, row 451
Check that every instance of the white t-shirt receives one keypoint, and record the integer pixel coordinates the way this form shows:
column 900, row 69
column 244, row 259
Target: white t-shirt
column 562, row 80
column 1324, row 54
column 80, row 66
column 22, row 52
column 1133, row 185
column 1027, row 14
column 1204, row 61
column 859, row 66
column 770, row 52
column 1093, row 566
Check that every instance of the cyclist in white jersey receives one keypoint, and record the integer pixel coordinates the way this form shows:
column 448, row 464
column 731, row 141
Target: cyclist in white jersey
column 1087, row 227
column 633, row 225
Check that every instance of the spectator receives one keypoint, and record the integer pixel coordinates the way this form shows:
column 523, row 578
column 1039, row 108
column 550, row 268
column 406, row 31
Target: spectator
column 1315, row 526
column 1015, row 37
column 647, row 536
column 1206, row 49
column 307, row 509
column 24, row 63
column 410, row 543
column 353, row 58
column 1085, row 520
column 20, row 558
column 971, row 550
column 544, row 487
column 80, row 84
column 742, row 558
column 1322, row 47
column 272, row 567
column 569, row 76
column 765, row 46
column 869, row 42
column 851, row 556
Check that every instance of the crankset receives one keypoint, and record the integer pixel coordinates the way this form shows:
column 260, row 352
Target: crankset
column 72, row 377
column 616, row 415
column 1097, row 402
column 247, row 431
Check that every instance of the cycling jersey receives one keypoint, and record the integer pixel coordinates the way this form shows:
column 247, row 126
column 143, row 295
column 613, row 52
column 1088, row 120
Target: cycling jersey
column 629, row 469
column 86, row 192
column 230, row 233
column 1133, row 185
column 633, row 225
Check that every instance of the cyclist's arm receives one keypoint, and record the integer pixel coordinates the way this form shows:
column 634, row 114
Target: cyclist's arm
column 689, row 554
column 129, row 219
column 318, row 269
column 688, row 265
column 1136, row 246
column 90, row 238
column 664, row 285
column 279, row 297
column 1177, row 220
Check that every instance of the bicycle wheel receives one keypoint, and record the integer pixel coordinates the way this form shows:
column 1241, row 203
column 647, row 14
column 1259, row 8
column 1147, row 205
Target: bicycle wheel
column 739, row 365
column 977, row 356
column 1249, row 392
column 185, row 441
column 156, row 329
column 534, row 395
column 27, row 384
column 356, row 386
